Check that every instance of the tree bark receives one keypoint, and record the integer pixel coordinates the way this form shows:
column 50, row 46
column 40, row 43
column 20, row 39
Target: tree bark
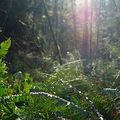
column 52, row 33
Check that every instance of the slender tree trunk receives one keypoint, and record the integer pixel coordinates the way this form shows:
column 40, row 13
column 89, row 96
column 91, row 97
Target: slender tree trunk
column 52, row 33
column 85, row 45
column 74, row 24
column 91, row 27
column 61, row 38
column 85, row 50
column 115, row 4
column 56, row 17
column 98, row 11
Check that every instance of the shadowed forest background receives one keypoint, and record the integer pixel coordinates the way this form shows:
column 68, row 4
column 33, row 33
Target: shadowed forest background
column 60, row 59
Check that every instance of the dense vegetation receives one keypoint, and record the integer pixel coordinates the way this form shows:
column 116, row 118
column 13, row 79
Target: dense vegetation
column 60, row 60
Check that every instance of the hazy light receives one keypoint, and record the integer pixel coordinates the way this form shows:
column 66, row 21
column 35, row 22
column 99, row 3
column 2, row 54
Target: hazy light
column 43, row 16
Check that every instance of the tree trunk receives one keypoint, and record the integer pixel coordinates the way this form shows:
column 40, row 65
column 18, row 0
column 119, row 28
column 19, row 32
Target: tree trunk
column 52, row 33
column 85, row 50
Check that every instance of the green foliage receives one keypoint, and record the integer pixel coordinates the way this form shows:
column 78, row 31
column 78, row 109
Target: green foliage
column 78, row 90
column 112, row 107
column 15, row 95
column 10, row 85
column 67, row 93
column 67, row 83
column 4, row 46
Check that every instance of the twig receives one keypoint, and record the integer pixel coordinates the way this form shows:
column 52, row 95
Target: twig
column 76, row 61
column 54, row 97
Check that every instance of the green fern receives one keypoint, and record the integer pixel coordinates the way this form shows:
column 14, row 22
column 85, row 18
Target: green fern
column 4, row 46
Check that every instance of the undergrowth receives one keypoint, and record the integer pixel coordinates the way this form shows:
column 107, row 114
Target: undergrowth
column 65, row 94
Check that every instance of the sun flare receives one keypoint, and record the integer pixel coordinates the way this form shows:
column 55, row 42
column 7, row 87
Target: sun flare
column 82, row 1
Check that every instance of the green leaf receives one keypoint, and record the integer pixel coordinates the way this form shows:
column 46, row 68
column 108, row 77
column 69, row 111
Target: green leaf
column 2, row 91
column 4, row 46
